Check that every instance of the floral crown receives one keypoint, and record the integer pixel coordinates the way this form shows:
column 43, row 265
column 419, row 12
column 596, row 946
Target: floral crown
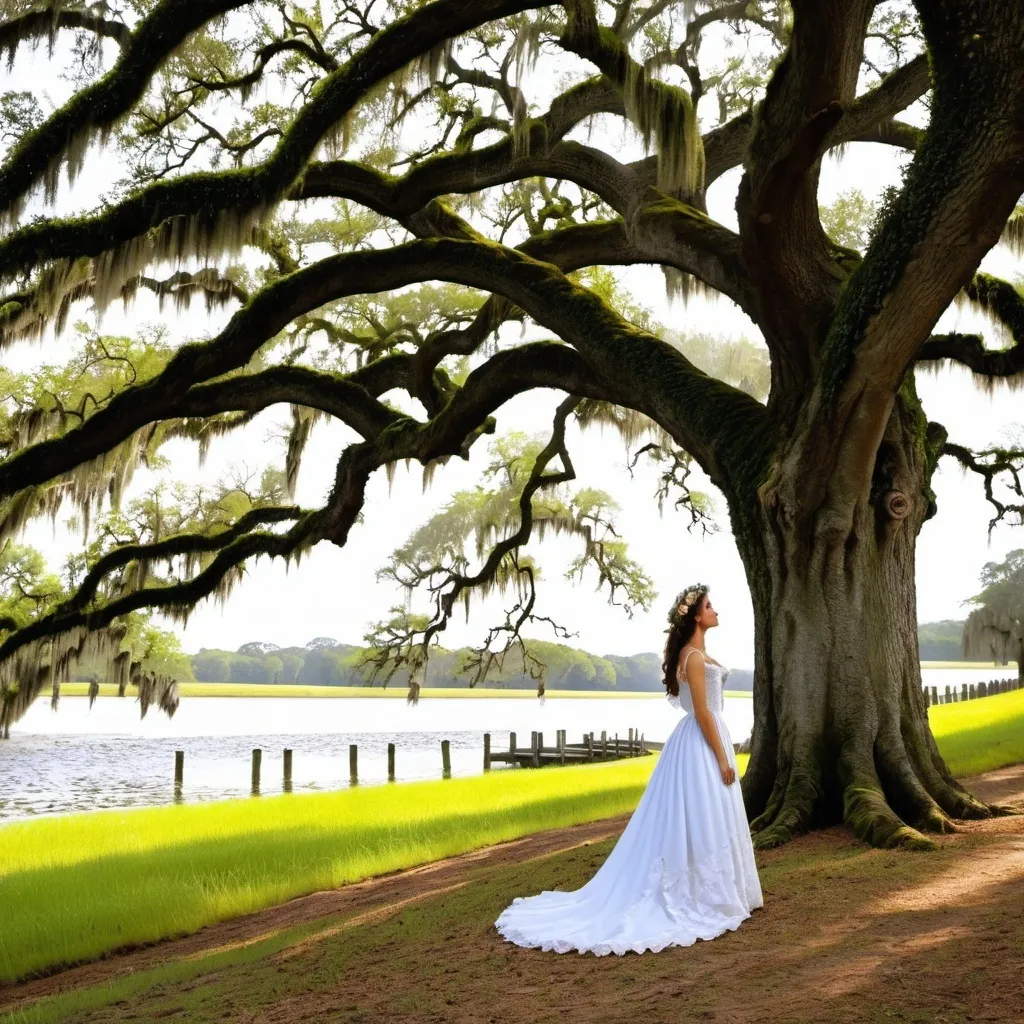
column 684, row 602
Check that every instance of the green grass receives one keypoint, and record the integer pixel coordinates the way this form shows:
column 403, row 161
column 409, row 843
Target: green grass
column 288, row 690
column 75, row 886
column 980, row 735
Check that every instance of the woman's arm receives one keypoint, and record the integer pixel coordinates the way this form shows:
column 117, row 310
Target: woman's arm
column 698, row 695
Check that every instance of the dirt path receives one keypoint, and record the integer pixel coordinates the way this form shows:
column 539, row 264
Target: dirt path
column 848, row 934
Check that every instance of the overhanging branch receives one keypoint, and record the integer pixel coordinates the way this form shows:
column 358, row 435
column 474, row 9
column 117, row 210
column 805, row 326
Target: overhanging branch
column 66, row 133
column 646, row 373
column 989, row 463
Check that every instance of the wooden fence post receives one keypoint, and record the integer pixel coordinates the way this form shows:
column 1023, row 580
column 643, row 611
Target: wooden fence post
column 949, row 698
column 353, row 764
column 287, row 771
column 561, row 746
column 257, row 759
column 604, row 743
column 963, row 691
column 391, row 762
column 512, row 746
column 935, row 695
column 487, row 751
column 446, row 760
column 972, row 693
column 589, row 740
column 179, row 773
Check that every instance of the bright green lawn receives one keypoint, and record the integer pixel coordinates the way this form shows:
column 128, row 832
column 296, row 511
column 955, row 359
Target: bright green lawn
column 72, row 887
column 76, row 885
column 980, row 735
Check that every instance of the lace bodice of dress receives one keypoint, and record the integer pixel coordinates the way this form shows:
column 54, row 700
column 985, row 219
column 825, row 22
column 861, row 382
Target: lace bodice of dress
column 714, row 678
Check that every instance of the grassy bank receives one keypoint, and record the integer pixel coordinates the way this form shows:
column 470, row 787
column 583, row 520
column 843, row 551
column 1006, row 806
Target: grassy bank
column 980, row 735
column 394, row 692
column 72, row 887
column 76, row 886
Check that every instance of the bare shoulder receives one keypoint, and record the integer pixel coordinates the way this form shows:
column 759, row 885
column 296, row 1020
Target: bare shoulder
column 684, row 657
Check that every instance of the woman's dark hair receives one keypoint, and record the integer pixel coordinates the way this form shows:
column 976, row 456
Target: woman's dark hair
column 680, row 630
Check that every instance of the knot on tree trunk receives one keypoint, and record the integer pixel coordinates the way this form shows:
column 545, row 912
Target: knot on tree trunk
column 896, row 504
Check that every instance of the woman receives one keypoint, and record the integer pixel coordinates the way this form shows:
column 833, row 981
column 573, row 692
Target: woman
column 683, row 868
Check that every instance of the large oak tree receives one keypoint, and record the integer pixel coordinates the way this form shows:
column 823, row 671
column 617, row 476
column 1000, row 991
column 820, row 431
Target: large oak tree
column 419, row 123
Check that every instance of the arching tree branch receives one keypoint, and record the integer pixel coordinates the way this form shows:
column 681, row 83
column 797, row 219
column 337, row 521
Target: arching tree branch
column 235, row 195
column 648, row 374
column 50, row 20
column 989, row 464
column 169, row 547
column 39, row 155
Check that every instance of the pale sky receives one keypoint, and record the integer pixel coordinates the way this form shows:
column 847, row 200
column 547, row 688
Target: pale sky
column 333, row 591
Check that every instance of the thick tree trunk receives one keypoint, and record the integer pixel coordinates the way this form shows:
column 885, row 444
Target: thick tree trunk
column 841, row 727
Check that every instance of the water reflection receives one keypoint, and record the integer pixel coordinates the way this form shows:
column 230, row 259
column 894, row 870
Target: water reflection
column 77, row 759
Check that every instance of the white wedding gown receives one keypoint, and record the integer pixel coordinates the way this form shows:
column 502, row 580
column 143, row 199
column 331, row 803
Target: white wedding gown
column 683, row 868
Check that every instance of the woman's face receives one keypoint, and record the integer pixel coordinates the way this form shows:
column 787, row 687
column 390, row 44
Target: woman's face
column 707, row 617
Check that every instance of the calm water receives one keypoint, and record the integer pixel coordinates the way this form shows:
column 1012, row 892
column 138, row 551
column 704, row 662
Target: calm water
column 82, row 759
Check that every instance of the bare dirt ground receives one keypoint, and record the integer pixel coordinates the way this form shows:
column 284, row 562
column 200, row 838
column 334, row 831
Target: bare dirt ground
column 847, row 934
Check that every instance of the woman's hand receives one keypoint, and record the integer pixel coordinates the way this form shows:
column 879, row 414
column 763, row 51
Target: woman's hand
column 728, row 772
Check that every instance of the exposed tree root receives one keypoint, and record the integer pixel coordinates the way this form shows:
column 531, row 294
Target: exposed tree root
column 796, row 814
column 868, row 813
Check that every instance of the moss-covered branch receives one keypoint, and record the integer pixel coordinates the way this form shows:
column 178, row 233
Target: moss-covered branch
column 27, row 314
column 647, row 373
column 448, row 584
column 64, row 136
column 665, row 115
column 170, row 547
column 48, row 21
column 1004, row 303
column 178, row 598
column 337, row 394
column 989, row 464
column 206, row 212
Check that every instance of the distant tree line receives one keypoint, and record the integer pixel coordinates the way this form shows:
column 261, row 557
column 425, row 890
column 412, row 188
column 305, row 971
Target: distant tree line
column 941, row 641
column 325, row 662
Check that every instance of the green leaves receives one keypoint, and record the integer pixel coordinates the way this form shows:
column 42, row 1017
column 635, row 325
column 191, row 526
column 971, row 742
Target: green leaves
column 848, row 221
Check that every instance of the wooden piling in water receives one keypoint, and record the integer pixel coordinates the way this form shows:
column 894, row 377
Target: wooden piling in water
column 257, row 760
column 446, row 760
column 487, row 751
column 512, row 745
column 179, row 772
column 561, row 746
column 391, row 762
column 287, row 771
column 353, row 764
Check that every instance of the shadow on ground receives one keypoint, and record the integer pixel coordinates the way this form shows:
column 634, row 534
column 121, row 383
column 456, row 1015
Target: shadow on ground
column 848, row 934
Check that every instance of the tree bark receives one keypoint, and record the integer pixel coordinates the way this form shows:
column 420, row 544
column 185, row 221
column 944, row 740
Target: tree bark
column 841, row 726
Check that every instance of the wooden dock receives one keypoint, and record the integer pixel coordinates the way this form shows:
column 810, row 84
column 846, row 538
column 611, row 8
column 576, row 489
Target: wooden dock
column 600, row 748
